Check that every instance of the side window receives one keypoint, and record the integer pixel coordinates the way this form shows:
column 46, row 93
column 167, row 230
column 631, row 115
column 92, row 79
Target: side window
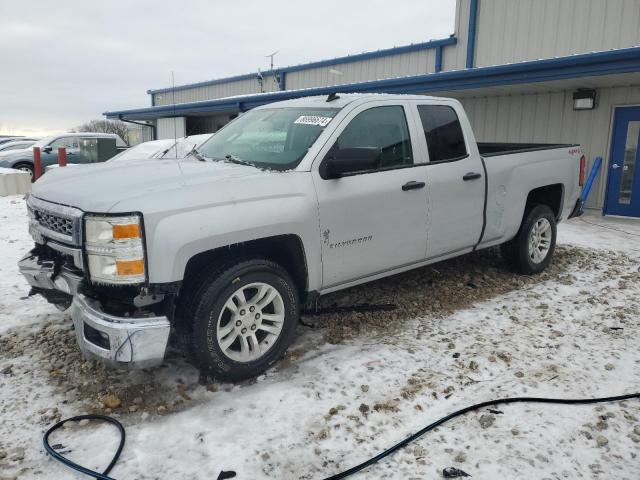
column 67, row 142
column 383, row 128
column 443, row 132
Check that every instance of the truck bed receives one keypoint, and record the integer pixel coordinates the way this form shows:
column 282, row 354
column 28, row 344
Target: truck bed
column 492, row 149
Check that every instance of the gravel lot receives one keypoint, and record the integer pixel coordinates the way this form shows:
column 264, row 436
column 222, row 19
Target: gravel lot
column 465, row 330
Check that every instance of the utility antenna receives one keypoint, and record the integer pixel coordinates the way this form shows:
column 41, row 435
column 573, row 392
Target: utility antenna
column 173, row 100
column 270, row 56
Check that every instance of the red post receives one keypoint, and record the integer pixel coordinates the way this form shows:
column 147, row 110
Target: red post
column 37, row 164
column 62, row 157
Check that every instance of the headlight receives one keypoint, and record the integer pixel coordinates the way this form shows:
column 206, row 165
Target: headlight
column 114, row 247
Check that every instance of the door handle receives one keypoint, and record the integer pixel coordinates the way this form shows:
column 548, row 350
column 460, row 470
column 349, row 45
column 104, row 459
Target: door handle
column 615, row 165
column 412, row 185
column 471, row 176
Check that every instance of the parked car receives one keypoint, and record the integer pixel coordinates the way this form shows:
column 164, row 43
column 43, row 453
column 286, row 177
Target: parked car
column 151, row 149
column 23, row 159
column 185, row 145
column 290, row 201
column 11, row 138
column 16, row 145
column 168, row 148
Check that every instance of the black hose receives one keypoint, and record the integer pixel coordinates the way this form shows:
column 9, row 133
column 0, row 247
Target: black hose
column 477, row 406
column 79, row 468
column 346, row 473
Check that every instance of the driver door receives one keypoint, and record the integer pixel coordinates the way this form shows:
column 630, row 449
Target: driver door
column 372, row 221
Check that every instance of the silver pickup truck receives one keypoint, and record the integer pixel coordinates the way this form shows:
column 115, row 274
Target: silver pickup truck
column 290, row 201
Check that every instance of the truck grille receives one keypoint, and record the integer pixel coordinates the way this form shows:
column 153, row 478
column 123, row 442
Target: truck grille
column 55, row 223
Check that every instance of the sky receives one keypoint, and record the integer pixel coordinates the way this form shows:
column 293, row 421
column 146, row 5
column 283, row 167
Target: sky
column 65, row 62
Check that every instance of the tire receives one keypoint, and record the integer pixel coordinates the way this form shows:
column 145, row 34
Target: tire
column 223, row 343
column 25, row 167
column 531, row 250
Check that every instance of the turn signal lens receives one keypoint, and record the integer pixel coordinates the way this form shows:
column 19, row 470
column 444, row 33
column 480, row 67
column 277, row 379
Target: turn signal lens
column 127, row 268
column 123, row 232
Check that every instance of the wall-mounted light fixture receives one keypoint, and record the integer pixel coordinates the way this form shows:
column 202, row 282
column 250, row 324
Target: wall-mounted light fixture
column 584, row 99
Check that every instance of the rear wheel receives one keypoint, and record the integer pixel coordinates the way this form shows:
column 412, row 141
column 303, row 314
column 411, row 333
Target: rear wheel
column 25, row 167
column 243, row 317
column 532, row 248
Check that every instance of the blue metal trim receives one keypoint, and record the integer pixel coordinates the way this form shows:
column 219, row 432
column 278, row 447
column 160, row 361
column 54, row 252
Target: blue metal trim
column 414, row 47
column 576, row 66
column 471, row 33
column 322, row 63
column 438, row 58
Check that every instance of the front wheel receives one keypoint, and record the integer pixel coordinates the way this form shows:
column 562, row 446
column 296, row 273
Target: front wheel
column 26, row 167
column 532, row 248
column 244, row 318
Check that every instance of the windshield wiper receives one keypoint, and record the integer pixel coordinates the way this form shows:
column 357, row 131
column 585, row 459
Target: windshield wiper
column 239, row 161
column 197, row 154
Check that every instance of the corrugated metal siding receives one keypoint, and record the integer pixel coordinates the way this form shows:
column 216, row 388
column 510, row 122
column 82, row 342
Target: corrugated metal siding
column 413, row 63
column 220, row 90
column 165, row 128
column 518, row 30
column 550, row 118
column 454, row 57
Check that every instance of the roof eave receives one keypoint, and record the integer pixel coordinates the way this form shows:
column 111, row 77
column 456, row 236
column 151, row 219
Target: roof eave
column 583, row 65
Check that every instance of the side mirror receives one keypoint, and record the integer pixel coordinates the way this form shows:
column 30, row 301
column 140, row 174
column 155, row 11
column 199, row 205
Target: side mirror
column 47, row 149
column 349, row 160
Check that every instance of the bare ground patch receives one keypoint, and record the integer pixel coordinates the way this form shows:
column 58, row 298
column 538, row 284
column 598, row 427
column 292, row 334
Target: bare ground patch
column 432, row 292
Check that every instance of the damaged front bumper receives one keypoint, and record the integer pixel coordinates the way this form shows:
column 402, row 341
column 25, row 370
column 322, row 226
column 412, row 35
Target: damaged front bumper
column 135, row 342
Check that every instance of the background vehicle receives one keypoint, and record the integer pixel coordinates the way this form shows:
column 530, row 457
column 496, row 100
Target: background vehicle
column 151, row 149
column 23, row 159
column 163, row 148
column 185, row 145
column 10, row 138
column 296, row 199
column 16, row 145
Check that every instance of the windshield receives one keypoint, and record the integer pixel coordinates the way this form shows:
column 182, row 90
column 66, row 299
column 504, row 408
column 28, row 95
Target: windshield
column 143, row 150
column 276, row 138
column 185, row 146
column 45, row 141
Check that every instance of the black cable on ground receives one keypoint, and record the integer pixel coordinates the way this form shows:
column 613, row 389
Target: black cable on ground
column 477, row 406
column 79, row 468
column 358, row 308
column 338, row 476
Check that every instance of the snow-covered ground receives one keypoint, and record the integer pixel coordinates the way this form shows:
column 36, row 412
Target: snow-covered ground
column 466, row 330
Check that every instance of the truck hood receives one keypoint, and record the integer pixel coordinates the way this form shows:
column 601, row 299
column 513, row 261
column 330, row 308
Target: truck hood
column 106, row 186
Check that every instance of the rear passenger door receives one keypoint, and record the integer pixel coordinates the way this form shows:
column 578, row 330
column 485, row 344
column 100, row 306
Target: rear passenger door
column 455, row 178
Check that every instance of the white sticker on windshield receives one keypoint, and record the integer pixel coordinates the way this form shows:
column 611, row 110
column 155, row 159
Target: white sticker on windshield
column 313, row 120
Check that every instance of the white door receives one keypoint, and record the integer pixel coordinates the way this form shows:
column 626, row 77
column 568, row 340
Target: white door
column 375, row 220
column 455, row 177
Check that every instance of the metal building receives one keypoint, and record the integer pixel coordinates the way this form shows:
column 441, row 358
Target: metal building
column 526, row 71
